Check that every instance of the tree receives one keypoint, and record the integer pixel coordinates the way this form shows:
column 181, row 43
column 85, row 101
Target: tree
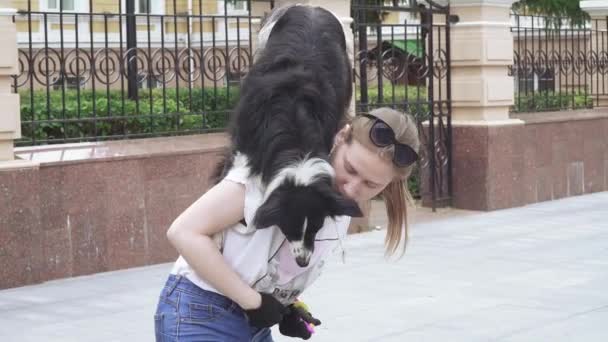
column 553, row 8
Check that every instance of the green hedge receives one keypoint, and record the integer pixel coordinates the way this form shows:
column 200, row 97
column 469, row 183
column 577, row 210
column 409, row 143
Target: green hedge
column 417, row 102
column 412, row 97
column 546, row 101
column 413, row 184
column 206, row 109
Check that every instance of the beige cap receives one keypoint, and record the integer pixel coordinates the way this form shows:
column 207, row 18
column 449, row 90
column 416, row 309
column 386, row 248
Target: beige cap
column 404, row 126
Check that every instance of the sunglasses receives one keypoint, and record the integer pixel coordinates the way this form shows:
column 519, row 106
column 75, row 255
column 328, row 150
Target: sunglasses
column 382, row 135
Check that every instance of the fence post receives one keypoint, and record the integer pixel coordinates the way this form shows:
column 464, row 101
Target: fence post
column 10, row 121
column 487, row 147
column 131, row 28
column 482, row 50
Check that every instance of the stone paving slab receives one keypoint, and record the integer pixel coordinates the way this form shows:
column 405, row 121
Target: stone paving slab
column 537, row 273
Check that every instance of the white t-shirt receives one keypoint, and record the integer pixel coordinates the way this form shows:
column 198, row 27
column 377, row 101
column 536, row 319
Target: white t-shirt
column 261, row 257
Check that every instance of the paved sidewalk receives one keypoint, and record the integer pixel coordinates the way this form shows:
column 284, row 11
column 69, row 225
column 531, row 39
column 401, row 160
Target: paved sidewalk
column 538, row 273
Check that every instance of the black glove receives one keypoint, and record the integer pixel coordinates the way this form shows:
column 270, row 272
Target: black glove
column 268, row 314
column 294, row 322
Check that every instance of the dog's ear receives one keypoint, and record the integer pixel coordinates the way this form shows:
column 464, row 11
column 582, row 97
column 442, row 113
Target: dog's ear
column 268, row 213
column 339, row 205
column 344, row 206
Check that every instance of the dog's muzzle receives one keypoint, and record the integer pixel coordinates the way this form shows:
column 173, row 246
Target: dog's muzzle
column 301, row 253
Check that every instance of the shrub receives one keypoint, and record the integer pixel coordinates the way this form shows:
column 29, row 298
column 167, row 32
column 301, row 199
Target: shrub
column 78, row 116
column 546, row 101
column 411, row 99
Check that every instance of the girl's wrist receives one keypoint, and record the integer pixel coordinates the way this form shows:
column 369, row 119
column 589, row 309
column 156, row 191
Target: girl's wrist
column 252, row 301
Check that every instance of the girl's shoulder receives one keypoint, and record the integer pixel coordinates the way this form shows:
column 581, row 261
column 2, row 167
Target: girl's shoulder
column 240, row 173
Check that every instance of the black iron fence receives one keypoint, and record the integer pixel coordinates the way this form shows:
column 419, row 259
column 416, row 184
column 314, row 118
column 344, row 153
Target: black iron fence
column 402, row 60
column 134, row 68
column 559, row 64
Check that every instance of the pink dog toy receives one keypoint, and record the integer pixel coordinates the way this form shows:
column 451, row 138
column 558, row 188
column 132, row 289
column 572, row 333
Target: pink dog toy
column 300, row 305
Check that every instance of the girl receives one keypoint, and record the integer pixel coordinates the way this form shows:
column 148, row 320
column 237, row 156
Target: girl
column 237, row 290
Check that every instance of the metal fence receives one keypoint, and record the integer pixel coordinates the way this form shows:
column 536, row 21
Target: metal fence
column 558, row 64
column 402, row 60
column 134, row 68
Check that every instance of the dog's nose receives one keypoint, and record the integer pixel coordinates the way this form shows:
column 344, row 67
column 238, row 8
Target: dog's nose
column 303, row 260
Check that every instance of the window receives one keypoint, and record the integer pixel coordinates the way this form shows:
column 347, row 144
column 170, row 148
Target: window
column 146, row 6
column 144, row 82
column 65, row 5
column 529, row 81
column 546, row 81
column 238, row 6
column 143, row 6
column 69, row 82
column 233, row 78
column 525, row 81
column 404, row 3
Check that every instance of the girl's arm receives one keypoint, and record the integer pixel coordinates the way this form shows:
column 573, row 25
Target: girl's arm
column 191, row 234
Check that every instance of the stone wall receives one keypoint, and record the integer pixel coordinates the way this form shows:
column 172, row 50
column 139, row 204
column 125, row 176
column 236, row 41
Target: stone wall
column 545, row 156
column 96, row 207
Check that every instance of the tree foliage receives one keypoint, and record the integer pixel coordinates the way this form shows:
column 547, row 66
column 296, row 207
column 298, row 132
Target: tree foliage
column 570, row 9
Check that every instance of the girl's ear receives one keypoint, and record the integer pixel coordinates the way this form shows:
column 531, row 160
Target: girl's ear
column 342, row 134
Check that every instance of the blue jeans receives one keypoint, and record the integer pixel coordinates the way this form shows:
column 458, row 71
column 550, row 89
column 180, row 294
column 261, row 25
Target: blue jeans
column 187, row 313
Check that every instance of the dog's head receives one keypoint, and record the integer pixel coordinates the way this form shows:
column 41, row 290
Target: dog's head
column 276, row 17
column 298, row 201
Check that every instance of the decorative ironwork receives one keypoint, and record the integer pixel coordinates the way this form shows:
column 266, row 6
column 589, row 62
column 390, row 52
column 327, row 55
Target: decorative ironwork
column 215, row 63
column 163, row 65
column 78, row 63
column 406, row 66
column 46, row 66
column 106, row 63
column 557, row 64
column 109, row 67
column 153, row 76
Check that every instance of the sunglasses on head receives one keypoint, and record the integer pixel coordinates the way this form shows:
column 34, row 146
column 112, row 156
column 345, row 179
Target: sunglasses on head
column 382, row 135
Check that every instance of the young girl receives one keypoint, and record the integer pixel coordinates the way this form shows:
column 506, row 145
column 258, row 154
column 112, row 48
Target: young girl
column 236, row 291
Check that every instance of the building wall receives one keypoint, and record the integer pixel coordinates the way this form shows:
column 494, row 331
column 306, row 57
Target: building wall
column 208, row 7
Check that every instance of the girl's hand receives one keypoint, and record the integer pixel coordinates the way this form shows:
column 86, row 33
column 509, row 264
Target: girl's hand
column 269, row 313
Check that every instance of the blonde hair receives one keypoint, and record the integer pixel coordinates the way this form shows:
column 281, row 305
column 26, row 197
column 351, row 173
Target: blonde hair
column 396, row 194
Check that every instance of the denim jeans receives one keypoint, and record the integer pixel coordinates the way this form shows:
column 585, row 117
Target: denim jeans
column 186, row 313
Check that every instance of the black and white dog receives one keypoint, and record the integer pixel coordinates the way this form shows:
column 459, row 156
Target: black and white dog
column 293, row 101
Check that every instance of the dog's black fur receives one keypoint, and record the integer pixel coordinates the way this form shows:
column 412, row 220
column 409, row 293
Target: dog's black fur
column 293, row 101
